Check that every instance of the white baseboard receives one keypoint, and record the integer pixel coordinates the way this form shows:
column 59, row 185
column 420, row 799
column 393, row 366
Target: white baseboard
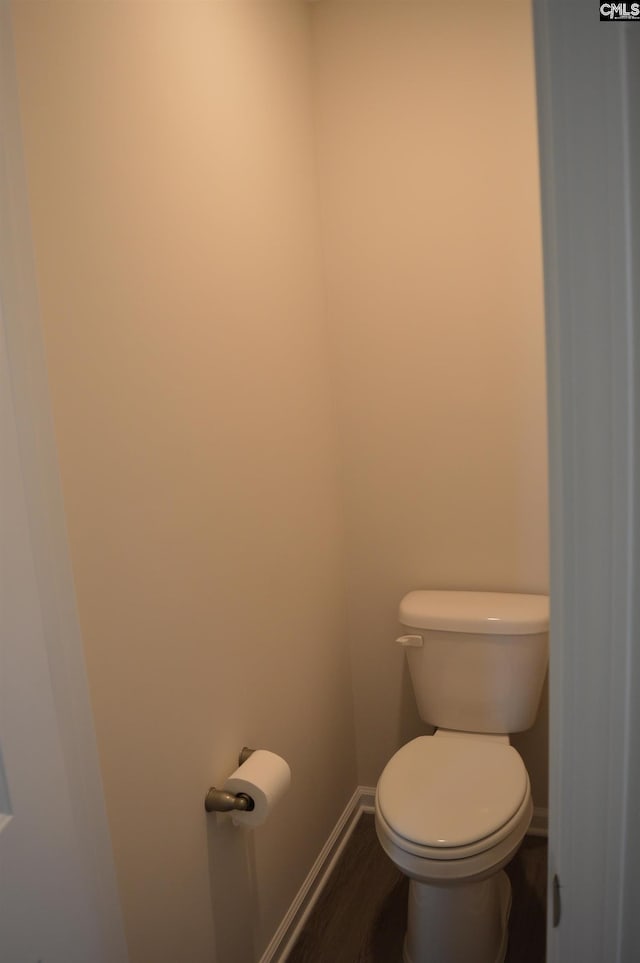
column 540, row 822
column 362, row 801
column 367, row 798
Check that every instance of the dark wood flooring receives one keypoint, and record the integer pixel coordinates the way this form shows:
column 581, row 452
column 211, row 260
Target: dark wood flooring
column 361, row 914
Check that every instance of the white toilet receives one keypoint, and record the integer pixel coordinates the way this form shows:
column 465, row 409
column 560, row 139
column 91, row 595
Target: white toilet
column 453, row 808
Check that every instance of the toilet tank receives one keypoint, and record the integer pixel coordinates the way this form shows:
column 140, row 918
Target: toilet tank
column 477, row 660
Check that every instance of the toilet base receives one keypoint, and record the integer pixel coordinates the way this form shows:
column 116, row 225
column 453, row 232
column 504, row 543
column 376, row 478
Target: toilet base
column 458, row 924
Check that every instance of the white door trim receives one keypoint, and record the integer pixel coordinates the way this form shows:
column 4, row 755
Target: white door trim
column 588, row 219
column 18, row 293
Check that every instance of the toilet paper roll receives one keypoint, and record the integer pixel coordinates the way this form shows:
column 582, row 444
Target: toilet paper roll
column 265, row 777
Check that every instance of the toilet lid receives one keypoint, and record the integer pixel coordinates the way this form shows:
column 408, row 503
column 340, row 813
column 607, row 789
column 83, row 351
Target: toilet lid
column 451, row 792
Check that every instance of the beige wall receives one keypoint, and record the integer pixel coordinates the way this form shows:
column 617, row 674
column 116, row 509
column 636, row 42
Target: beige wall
column 427, row 137
column 170, row 168
column 173, row 189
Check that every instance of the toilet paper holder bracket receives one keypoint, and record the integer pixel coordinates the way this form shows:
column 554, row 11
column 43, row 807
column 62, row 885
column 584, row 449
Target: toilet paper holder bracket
column 221, row 801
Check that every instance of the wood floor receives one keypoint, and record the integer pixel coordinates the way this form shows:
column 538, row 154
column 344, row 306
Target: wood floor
column 361, row 914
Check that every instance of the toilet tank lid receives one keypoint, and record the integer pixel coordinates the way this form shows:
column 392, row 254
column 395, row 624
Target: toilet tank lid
column 485, row 613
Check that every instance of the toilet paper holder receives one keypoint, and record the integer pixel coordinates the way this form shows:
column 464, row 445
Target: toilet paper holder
column 220, row 801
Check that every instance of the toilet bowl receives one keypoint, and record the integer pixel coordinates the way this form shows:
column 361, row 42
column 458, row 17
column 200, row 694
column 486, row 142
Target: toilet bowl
column 451, row 809
column 450, row 813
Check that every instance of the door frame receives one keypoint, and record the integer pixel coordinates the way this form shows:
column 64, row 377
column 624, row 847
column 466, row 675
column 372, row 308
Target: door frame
column 586, row 75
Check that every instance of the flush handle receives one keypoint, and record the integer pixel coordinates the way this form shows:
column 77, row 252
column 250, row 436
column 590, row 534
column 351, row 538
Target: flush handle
column 410, row 641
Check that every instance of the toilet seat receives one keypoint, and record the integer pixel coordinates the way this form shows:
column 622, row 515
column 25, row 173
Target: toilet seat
column 447, row 800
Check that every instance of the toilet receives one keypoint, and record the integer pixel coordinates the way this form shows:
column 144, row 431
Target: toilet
column 452, row 808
